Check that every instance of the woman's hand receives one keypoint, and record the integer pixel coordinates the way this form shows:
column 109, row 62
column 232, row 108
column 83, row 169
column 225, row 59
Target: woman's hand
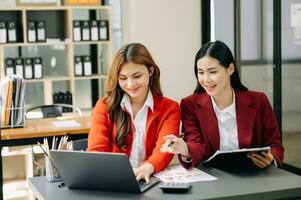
column 175, row 145
column 144, row 171
column 262, row 160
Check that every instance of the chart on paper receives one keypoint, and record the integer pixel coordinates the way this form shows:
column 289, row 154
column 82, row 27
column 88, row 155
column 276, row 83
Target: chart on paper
column 180, row 174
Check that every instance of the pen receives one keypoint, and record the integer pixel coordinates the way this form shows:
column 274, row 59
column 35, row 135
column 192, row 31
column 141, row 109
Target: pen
column 46, row 154
column 46, row 145
column 172, row 142
column 60, row 144
column 53, row 143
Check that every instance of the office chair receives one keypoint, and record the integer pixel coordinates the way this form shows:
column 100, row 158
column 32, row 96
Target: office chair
column 80, row 145
column 54, row 110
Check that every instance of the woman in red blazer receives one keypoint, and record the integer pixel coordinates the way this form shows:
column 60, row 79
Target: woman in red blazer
column 134, row 116
column 222, row 114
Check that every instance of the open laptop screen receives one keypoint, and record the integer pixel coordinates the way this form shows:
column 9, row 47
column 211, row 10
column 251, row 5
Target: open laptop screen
column 97, row 171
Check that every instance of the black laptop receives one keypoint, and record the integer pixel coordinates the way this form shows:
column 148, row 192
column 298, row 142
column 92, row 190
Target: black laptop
column 98, row 171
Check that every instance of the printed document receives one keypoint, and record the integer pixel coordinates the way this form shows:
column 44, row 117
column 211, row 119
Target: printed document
column 180, row 174
column 65, row 123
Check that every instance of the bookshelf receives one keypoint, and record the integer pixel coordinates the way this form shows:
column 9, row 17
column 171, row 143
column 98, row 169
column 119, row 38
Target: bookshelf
column 58, row 52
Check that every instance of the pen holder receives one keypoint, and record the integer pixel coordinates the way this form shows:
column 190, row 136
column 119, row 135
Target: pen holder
column 52, row 174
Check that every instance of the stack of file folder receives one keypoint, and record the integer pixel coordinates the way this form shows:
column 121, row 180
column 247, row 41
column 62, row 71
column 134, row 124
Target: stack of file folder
column 12, row 102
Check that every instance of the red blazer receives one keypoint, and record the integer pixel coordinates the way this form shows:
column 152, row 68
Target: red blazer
column 163, row 121
column 256, row 125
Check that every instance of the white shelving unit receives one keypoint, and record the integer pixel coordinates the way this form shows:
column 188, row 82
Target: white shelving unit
column 62, row 74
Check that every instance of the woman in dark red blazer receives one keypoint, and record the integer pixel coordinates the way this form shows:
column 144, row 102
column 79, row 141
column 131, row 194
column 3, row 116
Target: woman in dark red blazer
column 222, row 114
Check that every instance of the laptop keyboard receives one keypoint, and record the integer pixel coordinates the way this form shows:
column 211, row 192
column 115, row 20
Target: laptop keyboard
column 152, row 181
column 142, row 184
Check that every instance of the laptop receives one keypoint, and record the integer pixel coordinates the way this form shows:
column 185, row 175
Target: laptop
column 98, row 171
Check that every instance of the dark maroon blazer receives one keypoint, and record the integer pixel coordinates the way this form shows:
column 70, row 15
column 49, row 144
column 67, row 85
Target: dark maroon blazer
column 256, row 125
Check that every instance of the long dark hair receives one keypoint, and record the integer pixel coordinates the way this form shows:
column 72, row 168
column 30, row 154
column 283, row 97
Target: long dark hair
column 221, row 52
column 136, row 53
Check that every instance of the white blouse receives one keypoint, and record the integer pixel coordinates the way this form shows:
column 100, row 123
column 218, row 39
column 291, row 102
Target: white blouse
column 137, row 156
column 227, row 126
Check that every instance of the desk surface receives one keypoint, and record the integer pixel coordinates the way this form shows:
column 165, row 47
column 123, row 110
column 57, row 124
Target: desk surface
column 44, row 128
column 271, row 183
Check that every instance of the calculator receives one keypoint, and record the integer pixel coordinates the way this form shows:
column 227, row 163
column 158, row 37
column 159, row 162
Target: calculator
column 174, row 187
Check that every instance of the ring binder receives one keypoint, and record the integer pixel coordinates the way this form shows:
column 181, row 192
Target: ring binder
column 87, row 65
column 12, row 34
column 31, row 32
column 41, row 32
column 3, row 34
column 19, row 67
column 10, row 69
column 85, row 31
column 37, row 68
column 103, row 29
column 28, row 71
column 78, row 66
column 94, row 30
column 76, row 31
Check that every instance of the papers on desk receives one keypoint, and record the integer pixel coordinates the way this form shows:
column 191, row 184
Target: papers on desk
column 12, row 101
column 34, row 115
column 180, row 174
column 65, row 124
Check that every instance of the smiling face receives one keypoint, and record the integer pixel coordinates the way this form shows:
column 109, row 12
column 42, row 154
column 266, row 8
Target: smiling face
column 134, row 80
column 213, row 77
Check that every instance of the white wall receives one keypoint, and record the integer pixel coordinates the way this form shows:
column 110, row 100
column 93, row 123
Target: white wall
column 170, row 29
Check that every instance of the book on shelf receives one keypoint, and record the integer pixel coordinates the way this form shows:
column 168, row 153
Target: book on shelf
column 234, row 159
